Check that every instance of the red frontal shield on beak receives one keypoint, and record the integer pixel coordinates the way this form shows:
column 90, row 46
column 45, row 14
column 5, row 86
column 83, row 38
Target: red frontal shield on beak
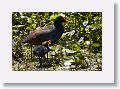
column 64, row 19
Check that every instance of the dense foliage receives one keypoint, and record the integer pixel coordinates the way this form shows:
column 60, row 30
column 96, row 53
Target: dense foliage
column 79, row 48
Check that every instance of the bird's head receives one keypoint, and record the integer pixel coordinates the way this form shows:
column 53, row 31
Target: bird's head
column 61, row 18
column 58, row 18
column 47, row 43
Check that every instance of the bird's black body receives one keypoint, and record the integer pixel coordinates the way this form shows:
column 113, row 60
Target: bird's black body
column 41, row 34
column 41, row 50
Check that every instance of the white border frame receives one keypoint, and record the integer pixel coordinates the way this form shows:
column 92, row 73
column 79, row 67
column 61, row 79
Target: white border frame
column 104, row 76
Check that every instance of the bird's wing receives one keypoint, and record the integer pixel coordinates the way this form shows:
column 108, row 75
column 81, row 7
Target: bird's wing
column 51, row 27
column 38, row 32
column 44, row 30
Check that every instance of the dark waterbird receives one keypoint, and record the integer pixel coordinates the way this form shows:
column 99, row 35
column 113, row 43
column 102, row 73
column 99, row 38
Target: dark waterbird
column 40, row 51
column 49, row 33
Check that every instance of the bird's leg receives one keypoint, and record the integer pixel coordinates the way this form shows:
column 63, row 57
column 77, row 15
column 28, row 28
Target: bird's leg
column 48, row 60
column 47, row 56
column 40, row 62
column 31, row 52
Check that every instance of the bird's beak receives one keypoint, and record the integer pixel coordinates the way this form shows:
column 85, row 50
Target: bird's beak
column 64, row 20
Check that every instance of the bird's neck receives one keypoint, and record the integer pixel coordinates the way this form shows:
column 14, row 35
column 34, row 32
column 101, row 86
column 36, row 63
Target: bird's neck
column 58, row 24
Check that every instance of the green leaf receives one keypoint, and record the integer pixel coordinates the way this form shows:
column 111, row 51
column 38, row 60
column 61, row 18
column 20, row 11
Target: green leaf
column 29, row 20
column 34, row 26
column 96, row 44
column 33, row 16
column 28, row 28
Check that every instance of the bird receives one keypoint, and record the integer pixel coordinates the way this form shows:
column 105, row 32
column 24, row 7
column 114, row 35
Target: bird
column 48, row 33
column 40, row 51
